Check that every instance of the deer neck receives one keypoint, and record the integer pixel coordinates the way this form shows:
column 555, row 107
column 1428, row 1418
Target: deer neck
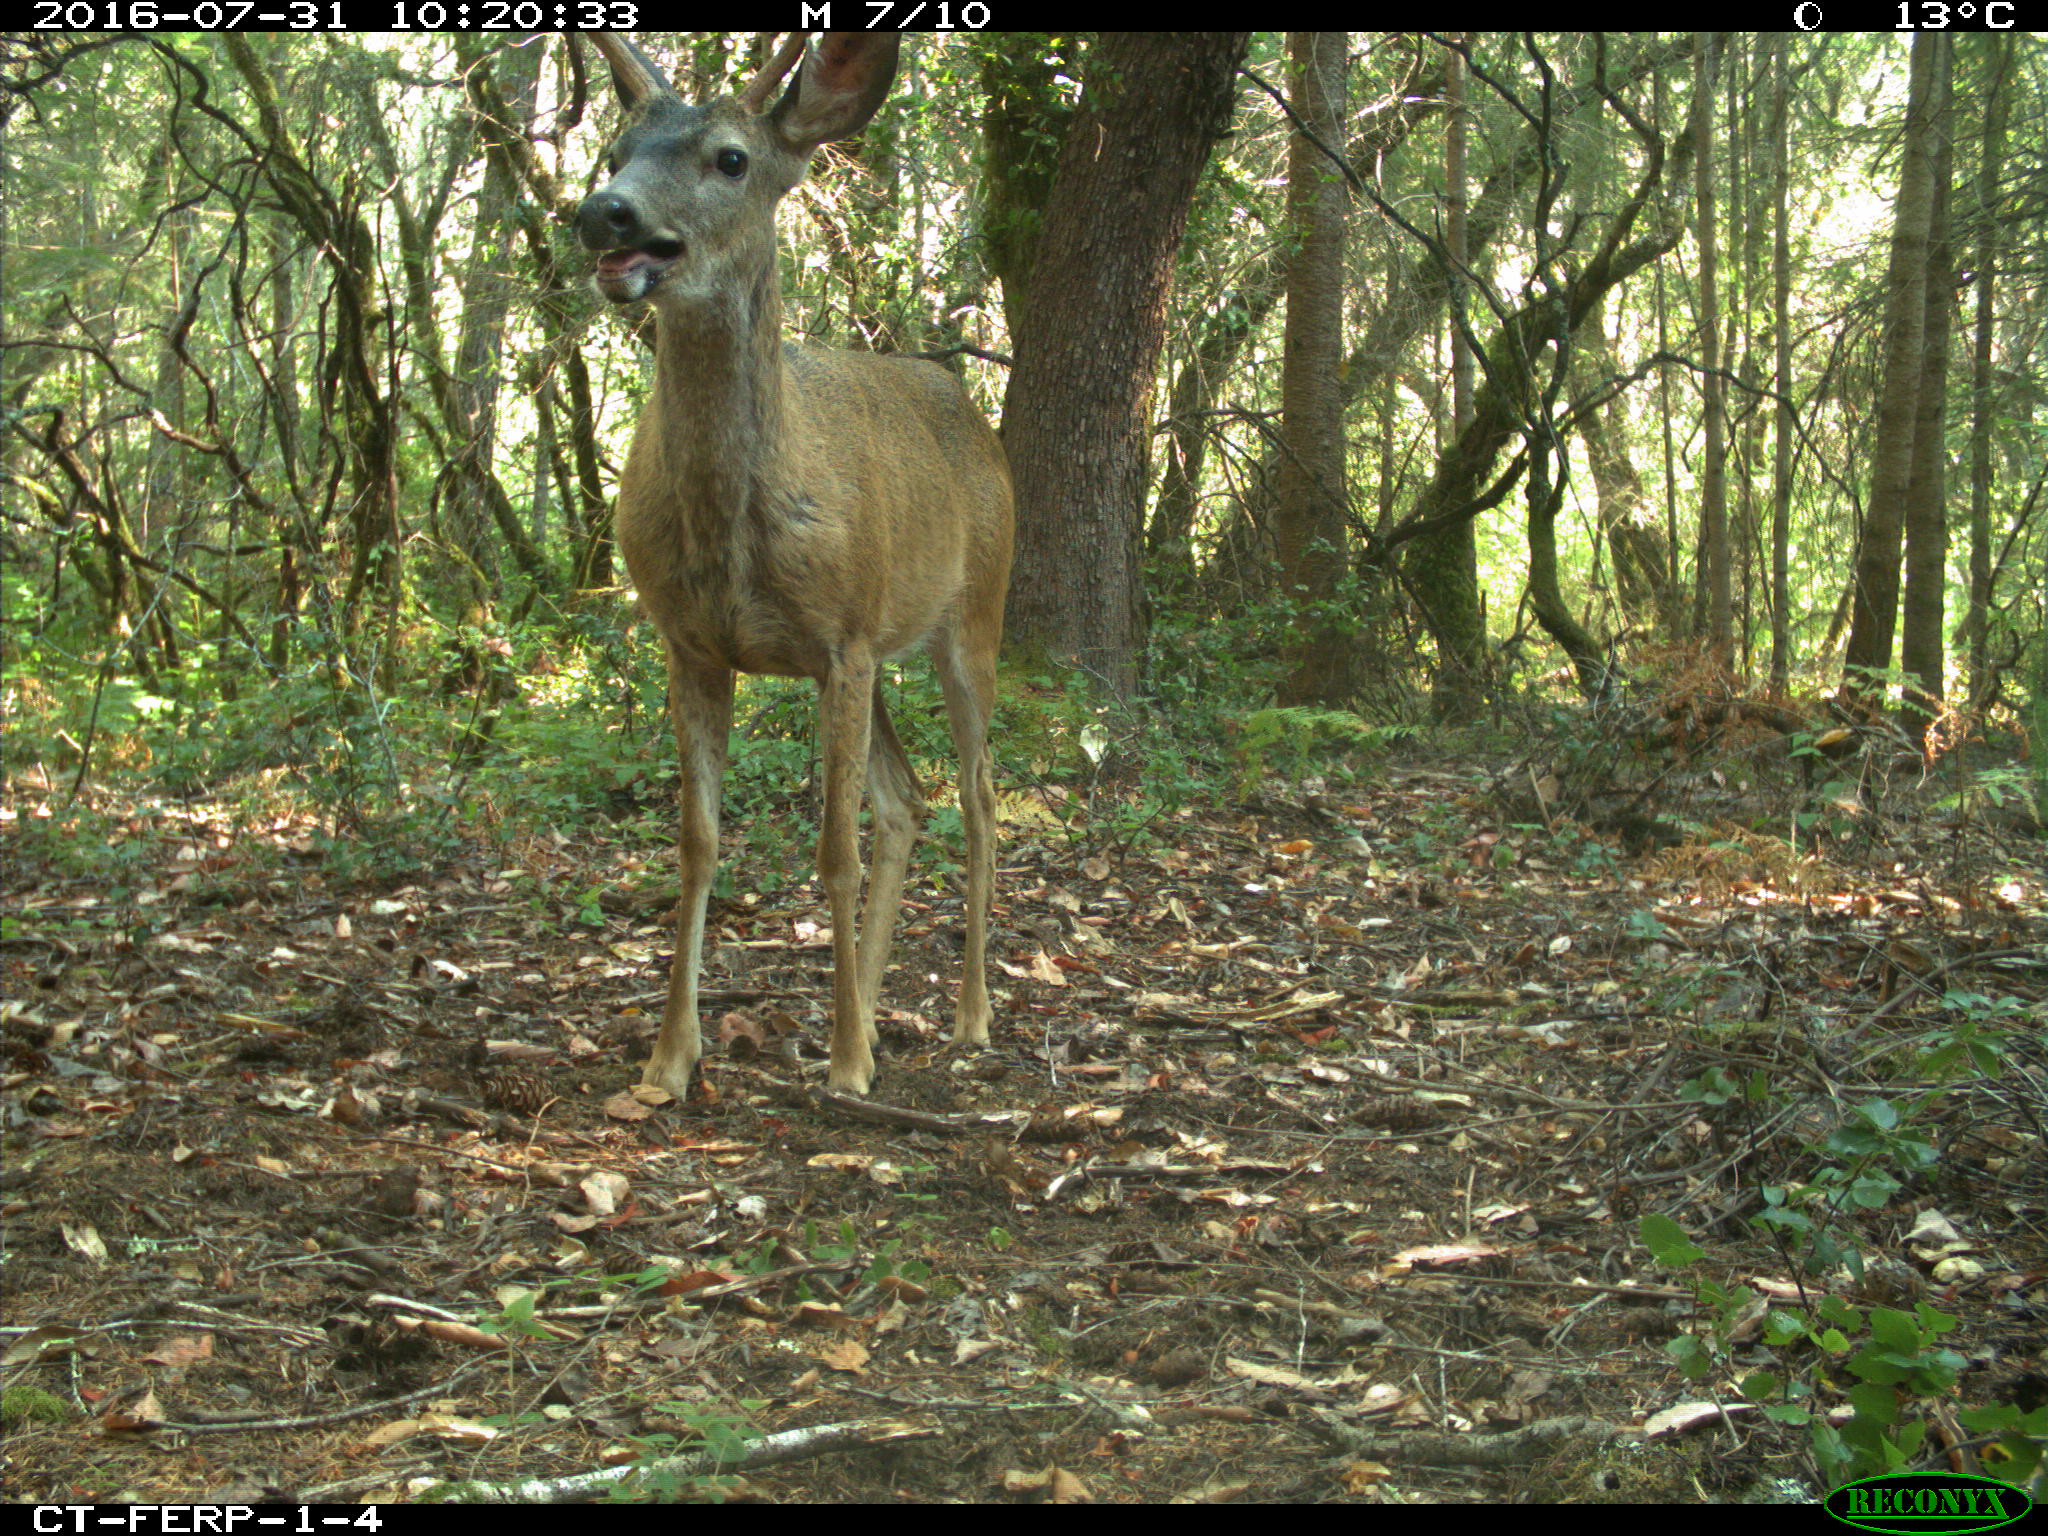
column 716, row 417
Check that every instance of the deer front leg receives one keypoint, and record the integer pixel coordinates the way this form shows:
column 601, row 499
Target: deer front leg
column 700, row 706
column 845, row 702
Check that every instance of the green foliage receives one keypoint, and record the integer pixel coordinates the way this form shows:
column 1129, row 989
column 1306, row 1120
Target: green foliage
column 1208, row 731
column 843, row 1246
column 1645, row 925
column 1433, row 841
column 1893, row 1355
column 1588, row 855
column 1898, row 1366
column 2037, row 733
column 1975, row 1041
column 1997, row 787
column 304, row 738
column 1833, row 809
column 1296, row 739
column 719, row 1434
column 887, row 1263
column 516, row 1318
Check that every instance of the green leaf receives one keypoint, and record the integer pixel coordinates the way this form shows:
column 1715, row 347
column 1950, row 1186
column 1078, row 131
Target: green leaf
column 1668, row 1243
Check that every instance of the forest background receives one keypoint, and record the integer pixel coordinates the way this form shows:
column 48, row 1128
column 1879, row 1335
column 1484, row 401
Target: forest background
column 1393, row 386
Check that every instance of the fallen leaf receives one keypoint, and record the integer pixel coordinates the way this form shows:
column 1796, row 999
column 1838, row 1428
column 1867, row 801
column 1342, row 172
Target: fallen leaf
column 182, row 1351
column 603, row 1192
column 636, row 1103
column 848, row 1355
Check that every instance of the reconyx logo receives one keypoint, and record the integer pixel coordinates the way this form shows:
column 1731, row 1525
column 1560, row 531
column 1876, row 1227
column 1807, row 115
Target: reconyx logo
column 1941, row 1502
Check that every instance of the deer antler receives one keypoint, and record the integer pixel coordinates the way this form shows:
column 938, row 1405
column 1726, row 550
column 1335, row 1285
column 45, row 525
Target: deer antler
column 755, row 97
column 633, row 72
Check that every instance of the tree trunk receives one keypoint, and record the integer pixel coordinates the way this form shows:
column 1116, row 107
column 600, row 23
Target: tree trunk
column 1445, row 566
column 358, row 378
column 1781, row 376
column 1231, row 324
column 1997, row 61
column 1714, row 552
column 1426, row 287
column 1921, row 652
column 486, row 296
column 1635, row 543
column 1078, row 414
column 1169, row 542
column 1023, row 125
column 1309, row 525
column 1875, row 591
column 1457, row 204
column 1546, row 598
column 1443, row 573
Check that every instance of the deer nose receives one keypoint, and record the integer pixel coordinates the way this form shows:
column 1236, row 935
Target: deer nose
column 606, row 222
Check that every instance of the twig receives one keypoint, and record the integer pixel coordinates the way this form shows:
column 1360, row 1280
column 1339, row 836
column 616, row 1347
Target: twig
column 912, row 1119
column 1514, row 1447
column 340, row 1415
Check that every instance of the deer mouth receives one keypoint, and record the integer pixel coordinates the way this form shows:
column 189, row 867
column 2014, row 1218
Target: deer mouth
column 625, row 275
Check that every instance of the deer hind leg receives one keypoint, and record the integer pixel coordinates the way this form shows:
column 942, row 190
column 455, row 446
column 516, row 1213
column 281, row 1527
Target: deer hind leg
column 845, row 710
column 700, row 706
column 967, row 677
column 898, row 806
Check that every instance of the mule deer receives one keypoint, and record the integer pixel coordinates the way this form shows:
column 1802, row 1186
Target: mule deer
column 795, row 511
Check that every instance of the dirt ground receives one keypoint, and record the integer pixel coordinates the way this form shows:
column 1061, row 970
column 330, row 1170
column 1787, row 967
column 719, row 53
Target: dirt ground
column 1307, row 1165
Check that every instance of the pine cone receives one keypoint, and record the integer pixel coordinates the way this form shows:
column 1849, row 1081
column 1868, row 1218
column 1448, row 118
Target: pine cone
column 516, row 1090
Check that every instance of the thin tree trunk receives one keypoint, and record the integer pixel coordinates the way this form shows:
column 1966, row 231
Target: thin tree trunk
column 1781, row 377
column 1714, row 562
column 1457, row 203
column 1310, row 520
column 1998, row 56
column 1635, row 541
column 1922, row 655
column 1875, row 589
column 1445, row 566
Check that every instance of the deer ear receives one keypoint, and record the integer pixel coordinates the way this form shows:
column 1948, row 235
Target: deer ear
column 635, row 76
column 844, row 78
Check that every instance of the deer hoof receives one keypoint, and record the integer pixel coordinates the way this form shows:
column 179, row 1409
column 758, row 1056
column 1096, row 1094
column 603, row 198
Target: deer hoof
column 672, row 1079
column 852, row 1077
column 968, row 1031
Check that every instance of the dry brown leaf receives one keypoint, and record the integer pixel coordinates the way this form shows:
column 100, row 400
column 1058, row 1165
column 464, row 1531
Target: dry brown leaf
column 182, row 1351
column 849, row 1356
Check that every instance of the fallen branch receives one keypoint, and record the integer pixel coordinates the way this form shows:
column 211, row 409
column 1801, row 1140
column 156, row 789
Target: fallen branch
column 1510, row 1448
column 909, row 1119
column 790, row 1445
column 221, row 1424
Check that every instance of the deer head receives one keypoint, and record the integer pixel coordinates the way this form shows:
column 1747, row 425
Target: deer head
column 690, row 207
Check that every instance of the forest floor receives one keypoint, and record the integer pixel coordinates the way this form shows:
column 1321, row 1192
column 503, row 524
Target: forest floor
column 1310, row 1162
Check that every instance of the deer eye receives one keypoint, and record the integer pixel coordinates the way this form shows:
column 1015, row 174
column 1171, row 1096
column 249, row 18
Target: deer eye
column 732, row 162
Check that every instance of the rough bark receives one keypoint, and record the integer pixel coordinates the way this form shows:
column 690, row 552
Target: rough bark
column 1078, row 413
column 1309, row 528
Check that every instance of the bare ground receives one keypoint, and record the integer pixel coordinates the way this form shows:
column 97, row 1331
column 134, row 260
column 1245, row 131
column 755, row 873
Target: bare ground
column 1308, row 1165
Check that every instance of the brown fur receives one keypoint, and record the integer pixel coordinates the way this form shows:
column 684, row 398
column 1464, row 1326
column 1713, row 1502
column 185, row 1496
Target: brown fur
column 796, row 511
